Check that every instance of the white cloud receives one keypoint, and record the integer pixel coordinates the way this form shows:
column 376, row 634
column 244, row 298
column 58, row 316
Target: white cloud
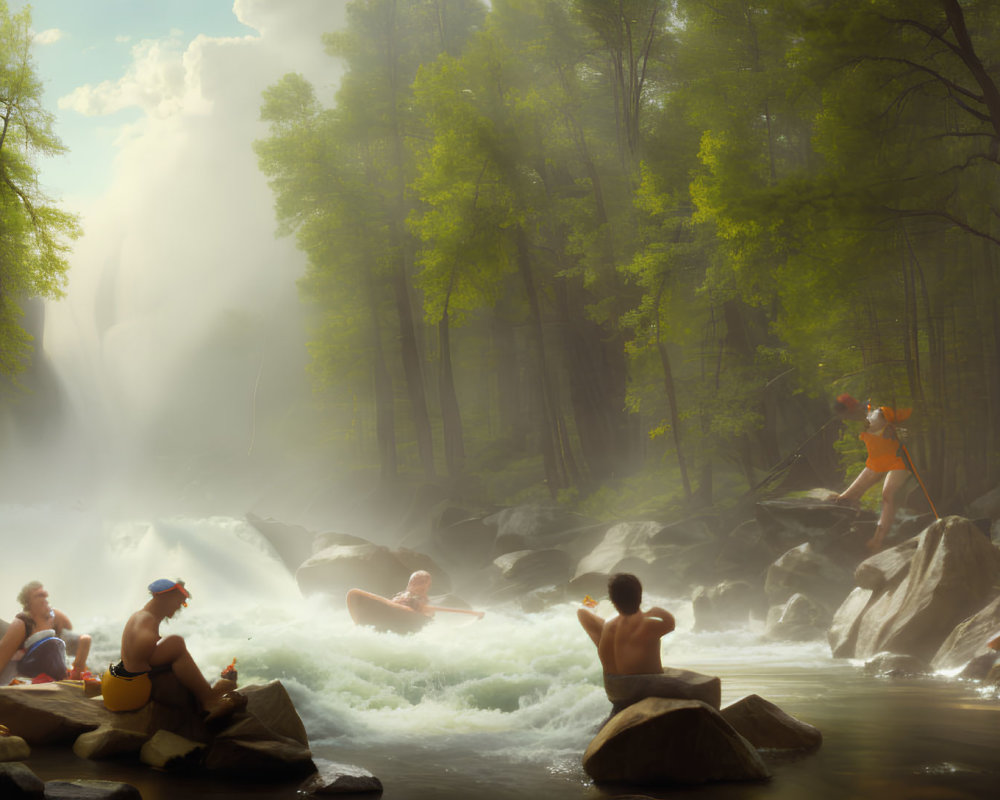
column 50, row 36
column 179, row 293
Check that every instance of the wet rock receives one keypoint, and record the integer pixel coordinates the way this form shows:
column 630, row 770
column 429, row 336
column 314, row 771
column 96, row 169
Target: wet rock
column 843, row 633
column 50, row 713
column 979, row 667
column 895, row 665
column 685, row 532
column 659, row 741
column 625, row 547
column 765, row 725
column 293, row 544
column 993, row 676
column 366, row 566
column 168, row 751
column 535, row 526
column 537, row 600
column 468, row 542
column 800, row 619
column 90, row 790
column 531, row 569
column 988, row 505
column 804, row 570
column 887, row 568
column 17, row 781
column 108, row 742
column 250, row 748
column 968, row 639
column 13, row 748
column 725, row 605
column 786, row 523
column 332, row 778
column 950, row 578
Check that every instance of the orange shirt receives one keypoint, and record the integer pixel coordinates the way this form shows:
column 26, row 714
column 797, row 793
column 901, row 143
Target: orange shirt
column 883, row 453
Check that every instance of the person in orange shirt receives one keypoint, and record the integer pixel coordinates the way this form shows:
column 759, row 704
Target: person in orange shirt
column 885, row 459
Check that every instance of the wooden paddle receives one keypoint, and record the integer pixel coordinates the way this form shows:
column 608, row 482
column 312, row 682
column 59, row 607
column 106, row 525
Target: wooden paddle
column 478, row 614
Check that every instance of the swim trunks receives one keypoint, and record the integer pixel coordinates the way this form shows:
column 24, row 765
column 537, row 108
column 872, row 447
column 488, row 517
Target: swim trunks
column 677, row 684
column 123, row 690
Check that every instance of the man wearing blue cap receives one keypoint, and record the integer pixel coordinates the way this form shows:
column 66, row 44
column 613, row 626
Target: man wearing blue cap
column 126, row 685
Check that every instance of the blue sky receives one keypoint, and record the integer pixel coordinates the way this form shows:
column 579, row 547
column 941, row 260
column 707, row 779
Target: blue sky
column 88, row 42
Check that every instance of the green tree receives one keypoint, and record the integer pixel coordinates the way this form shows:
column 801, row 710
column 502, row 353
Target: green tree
column 34, row 233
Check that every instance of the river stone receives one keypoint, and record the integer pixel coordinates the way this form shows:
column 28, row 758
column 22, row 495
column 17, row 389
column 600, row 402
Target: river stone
column 804, row 569
column 18, row 781
column 979, row 667
column 950, row 578
column 659, row 741
column 341, row 567
column 271, row 704
column 786, row 523
column 725, row 605
column 293, row 544
column 801, row 619
column 333, row 778
column 13, row 748
column 622, row 546
column 743, row 553
column 843, row 633
column 534, row 526
column 676, row 684
column 90, row 790
column 108, row 742
column 168, row 751
column 50, row 713
column 763, row 724
column 248, row 747
column 530, row 569
column 968, row 639
column 886, row 568
column 895, row 665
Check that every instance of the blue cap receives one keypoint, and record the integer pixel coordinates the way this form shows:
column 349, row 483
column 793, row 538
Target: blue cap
column 162, row 585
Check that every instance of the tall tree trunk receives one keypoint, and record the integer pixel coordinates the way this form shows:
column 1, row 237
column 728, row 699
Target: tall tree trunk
column 548, row 427
column 385, row 412
column 451, row 417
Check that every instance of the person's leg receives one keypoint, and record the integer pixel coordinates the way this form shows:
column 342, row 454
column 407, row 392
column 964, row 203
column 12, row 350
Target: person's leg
column 894, row 481
column 172, row 650
column 866, row 479
column 82, row 651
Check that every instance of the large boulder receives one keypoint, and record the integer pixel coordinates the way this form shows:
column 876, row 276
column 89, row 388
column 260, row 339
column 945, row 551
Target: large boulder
column 168, row 751
column 804, row 570
column 524, row 570
column 886, row 568
column 800, row 619
column 788, row 522
column 13, row 748
column 765, row 725
column 108, row 741
column 843, row 631
column 725, row 605
column 895, row 665
column 537, row 526
column 968, row 639
column 249, row 747
column 625, row 547
column 367, row 566
column 50, row 713
column 950, row 578
column 292, row 543
column 659, row 741
column 744, row 554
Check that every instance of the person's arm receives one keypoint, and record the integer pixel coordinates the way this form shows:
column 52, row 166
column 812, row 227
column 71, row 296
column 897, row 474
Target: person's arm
column 11, row 641
column 60, row 621
column 592, row 624
column 661, row 620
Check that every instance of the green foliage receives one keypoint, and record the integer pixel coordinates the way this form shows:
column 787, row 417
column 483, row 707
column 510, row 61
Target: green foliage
column 34, row 233
column 745, row 204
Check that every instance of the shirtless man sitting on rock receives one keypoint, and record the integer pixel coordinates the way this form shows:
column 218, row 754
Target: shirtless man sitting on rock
column 629, row 649
column 126, row 685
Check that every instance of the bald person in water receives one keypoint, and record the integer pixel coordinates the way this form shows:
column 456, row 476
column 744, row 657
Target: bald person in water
column 628, row 644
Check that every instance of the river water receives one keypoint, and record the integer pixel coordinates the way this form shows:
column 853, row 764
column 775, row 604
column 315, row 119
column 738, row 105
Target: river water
column 492, row 709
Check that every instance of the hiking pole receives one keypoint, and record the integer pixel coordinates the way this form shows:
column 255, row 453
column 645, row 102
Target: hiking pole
column 791, row 458
column 912, row 467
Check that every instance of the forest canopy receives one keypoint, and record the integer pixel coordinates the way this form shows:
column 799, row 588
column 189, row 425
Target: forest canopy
column 601, row 239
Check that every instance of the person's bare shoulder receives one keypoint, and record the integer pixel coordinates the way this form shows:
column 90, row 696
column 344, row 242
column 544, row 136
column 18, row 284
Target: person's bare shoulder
column 61, row 620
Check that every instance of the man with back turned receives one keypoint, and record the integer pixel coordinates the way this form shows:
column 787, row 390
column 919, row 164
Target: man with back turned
column 629, row 648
